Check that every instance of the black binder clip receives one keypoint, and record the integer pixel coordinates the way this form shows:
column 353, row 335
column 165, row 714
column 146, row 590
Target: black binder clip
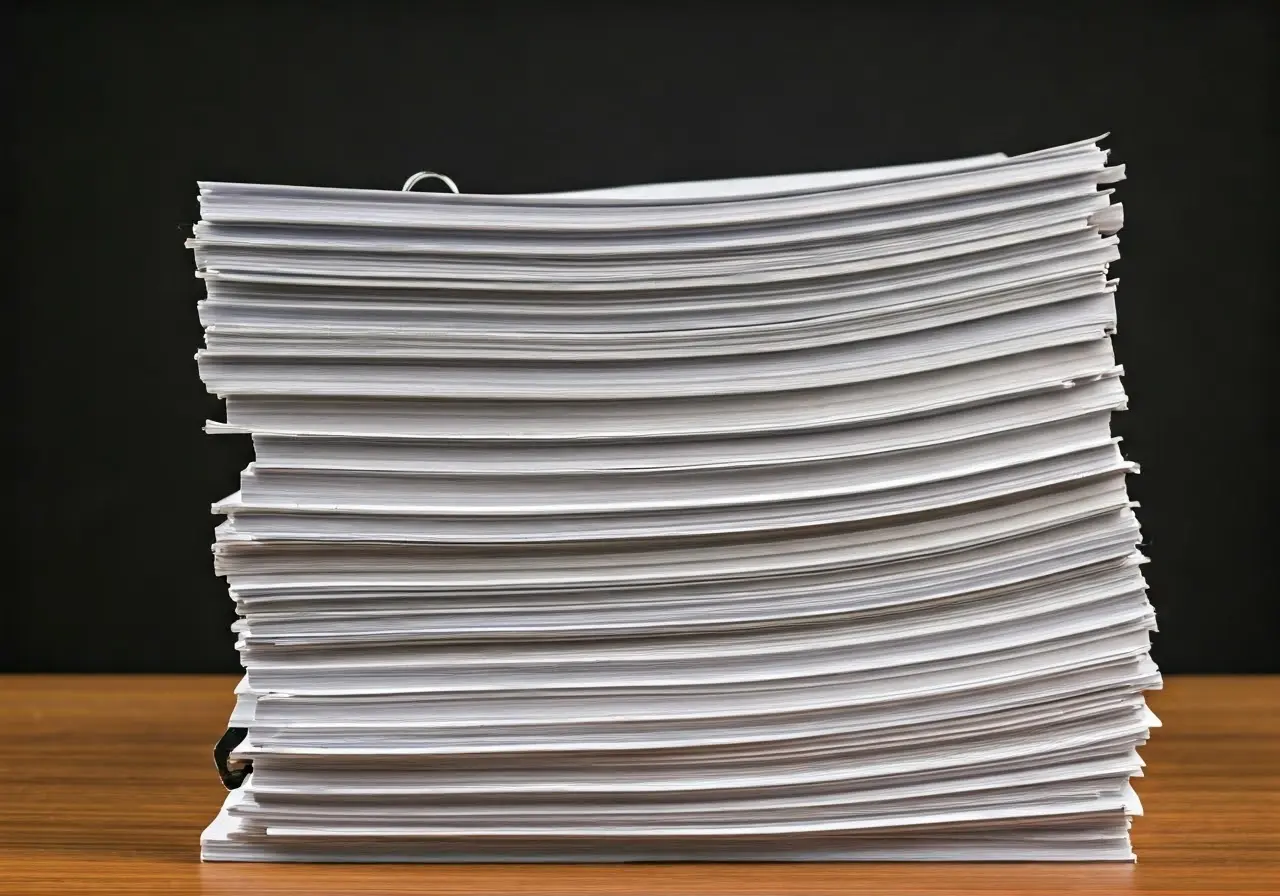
column 232, row 772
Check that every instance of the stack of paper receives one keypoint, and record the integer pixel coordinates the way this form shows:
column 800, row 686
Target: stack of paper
column 757, row 519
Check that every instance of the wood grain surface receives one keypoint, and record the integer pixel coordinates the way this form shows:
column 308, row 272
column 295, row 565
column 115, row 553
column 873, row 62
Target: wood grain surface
column 108, row 781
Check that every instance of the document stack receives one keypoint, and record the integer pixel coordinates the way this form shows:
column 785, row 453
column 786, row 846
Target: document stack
column 771, row 518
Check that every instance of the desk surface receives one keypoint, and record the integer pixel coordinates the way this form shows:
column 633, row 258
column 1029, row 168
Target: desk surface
column 108, row 781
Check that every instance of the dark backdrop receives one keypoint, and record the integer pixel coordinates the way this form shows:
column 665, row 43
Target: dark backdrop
column 116, row 110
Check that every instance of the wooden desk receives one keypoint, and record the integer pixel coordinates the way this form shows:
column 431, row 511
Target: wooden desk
column 108, row 782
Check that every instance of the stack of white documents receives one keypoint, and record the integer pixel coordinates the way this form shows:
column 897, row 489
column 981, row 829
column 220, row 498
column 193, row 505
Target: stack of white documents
column 775, row 518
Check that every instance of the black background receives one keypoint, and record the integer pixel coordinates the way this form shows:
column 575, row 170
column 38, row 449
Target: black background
column 117, row 110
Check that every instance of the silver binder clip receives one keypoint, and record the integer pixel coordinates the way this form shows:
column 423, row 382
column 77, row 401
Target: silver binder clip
column 423, row 175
